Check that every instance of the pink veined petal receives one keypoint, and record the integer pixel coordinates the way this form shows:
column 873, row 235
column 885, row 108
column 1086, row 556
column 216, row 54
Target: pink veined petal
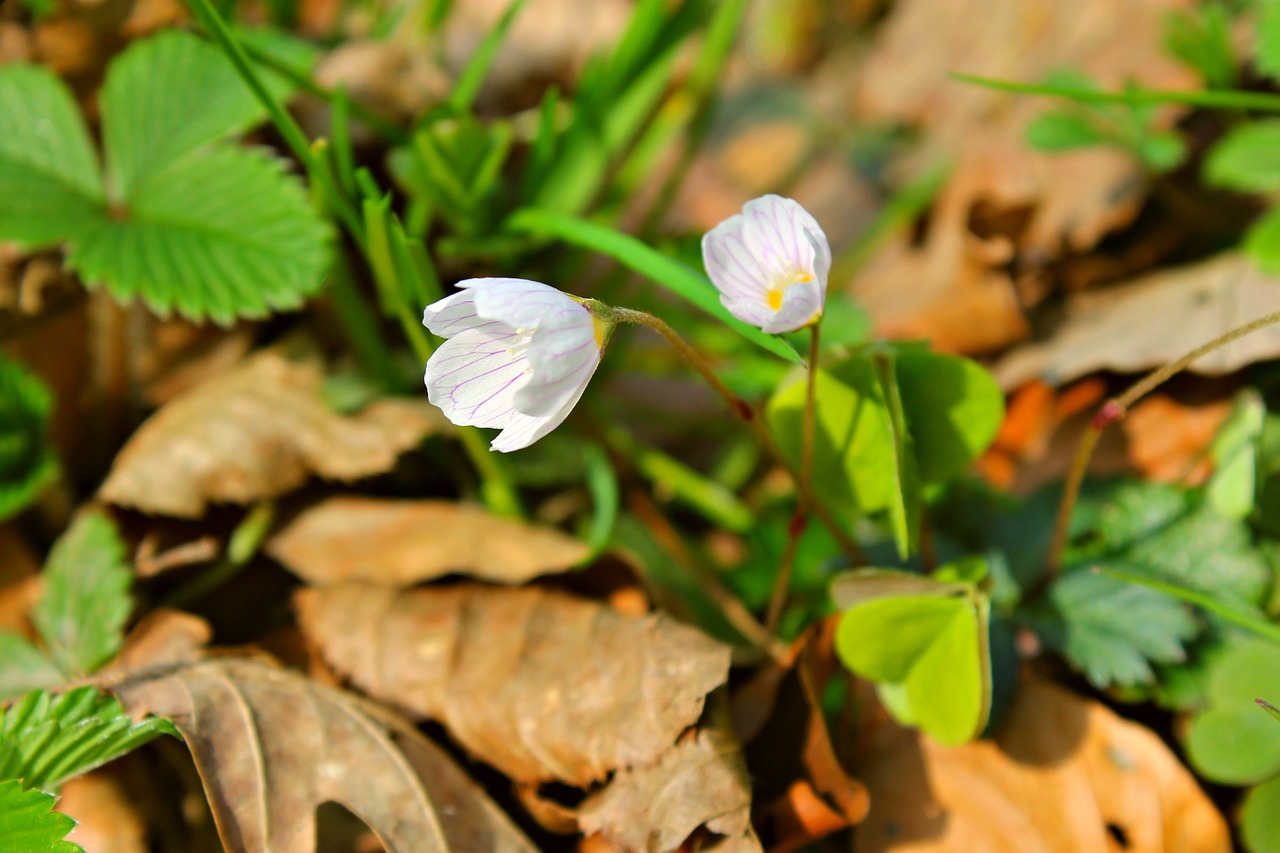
column 731, row 266
column 518, row 302
column 451, row 315
column 801, row 302
column 525, row 430
column 473, row 378
column 562, row 364
column 753, row 311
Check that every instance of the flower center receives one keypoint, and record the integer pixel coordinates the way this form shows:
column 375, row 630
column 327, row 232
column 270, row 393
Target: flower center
column 774, row 296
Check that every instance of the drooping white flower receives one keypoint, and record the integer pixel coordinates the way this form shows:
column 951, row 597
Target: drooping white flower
column 770, row 264
column 519, row 355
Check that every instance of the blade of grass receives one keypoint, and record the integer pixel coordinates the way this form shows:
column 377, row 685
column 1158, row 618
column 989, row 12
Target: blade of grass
column 1223, row 99
column 635, row 255
column 477, row 68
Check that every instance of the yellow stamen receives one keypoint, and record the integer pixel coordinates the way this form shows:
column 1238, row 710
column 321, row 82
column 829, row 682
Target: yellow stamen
column 774, row 298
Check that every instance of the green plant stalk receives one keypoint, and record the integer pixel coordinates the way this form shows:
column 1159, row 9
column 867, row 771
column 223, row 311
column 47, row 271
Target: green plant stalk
column 804, row 488
column 472, row 78
column 496, row 488
column 740, row 407
column 1110, row 412
column 1235, row 100
column 362, row 328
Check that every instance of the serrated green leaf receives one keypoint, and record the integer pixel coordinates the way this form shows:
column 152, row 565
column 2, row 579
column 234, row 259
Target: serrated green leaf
column 1262, row 241
column 1233, row 741
column 926, row 650
column 85, row 602
column 28, row 823
column 1247, row 158
column 48, row 173
column 1119, row 513
column 23, row 667
column 1063, row 130
column 221, row 233
column 46, row 740
column 1260, row 818
column 1110, row 630
column 27, row 463
column 166, row 96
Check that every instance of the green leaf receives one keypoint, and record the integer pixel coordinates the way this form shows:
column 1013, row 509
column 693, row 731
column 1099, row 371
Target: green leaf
column 1232, row 741
column 46, row 740
column 166, row 96
column 221, row 233
column 1260, row 818
column 925, row 644
column 28, row 823
column 1262, row 241
column 854, row 458
column 1247, row 158
column 23, row 667
column 27, row 463
column 85, row 602
column 48, row 173
column 1111, row 630
column 1231, row 489
column 954, row 408
column 1063, row 130
column 1267, row 48
column 1161, row 151
column 904, row 508
column 1201, row 38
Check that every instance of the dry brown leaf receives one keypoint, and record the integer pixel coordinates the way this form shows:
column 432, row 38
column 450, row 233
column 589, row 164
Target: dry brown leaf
column 702, row 782
column 1154, row 320
column 538, row 683
column 400, row 543
column 271, row 746
column 952, row 287
column 109, row 815
column 257, row 432
column 1064, row 774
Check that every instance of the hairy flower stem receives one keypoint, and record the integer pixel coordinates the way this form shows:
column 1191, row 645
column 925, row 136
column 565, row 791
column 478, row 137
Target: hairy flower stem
column 804, row 488
column 740, row 407
column 1111, row 411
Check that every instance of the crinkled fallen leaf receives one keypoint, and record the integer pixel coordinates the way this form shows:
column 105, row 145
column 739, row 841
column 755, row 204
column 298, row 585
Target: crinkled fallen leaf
column 701, row 782
column 399, row 543
column 257, row 432
column 271, row 746
column 1064, row 773
column 1154, row 320
column 1002, row 198
column 541, row 684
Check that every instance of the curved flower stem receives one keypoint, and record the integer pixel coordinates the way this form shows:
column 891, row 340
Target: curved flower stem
column 1111, row 411
column 740, row 407
column 804, row 490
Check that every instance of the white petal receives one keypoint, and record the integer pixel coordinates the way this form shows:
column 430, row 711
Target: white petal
column 800, row 304
column 730, row 265
column 750, row 310
column 518, row 302
column 525, row 430
column 451, row 315
column 563, row 358
column 775, row 231
column 473, row 377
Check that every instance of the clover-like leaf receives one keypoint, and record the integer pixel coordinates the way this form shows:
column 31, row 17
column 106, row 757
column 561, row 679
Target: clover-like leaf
column 1233, row 741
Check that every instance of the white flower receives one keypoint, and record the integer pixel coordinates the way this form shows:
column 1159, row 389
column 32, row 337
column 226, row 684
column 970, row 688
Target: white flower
column 519, row 355
column 770, row 264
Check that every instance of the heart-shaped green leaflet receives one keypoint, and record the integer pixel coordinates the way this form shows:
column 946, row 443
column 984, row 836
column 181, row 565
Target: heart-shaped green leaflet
column 925, row 645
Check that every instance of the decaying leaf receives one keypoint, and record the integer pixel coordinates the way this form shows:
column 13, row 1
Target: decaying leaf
column 1064, row 773
column 398, row 543
column 271, row 746
column 702, row 782
column 1002, row 197
column 257, row 432
column 541, row 684
column 1154, row 320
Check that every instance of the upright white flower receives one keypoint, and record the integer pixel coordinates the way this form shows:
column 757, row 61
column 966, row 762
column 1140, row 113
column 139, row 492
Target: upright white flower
column 770, row 264
column 519, row 355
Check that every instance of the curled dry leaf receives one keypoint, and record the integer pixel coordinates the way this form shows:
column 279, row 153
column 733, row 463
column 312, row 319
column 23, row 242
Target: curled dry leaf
column 271, row 746
column 1002, row 198
column 400, row 543
column 540, row 684
column 1064, row 773
column 1154, row 320
column 257, row 432
column 701, row 783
